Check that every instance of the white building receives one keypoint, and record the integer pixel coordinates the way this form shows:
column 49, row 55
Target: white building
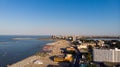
column 106, row 55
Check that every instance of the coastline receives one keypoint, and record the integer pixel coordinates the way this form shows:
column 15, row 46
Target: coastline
column 51, row 39
column 54, row 47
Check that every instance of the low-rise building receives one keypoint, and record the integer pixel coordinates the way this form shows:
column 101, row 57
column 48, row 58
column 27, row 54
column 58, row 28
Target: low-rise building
column 82, row 46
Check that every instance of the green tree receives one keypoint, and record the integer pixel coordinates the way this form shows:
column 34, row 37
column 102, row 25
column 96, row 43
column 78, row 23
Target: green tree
column 89, row 57
column 91, row 65
column 90, row 48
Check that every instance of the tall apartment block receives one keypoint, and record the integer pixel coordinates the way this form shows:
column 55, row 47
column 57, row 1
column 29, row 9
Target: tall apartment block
column 106, row 55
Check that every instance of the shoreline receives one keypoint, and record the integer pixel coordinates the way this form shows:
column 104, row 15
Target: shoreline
column 54, row 47
column 51, row 39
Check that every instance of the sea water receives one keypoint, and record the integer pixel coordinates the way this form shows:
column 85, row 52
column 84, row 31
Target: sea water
column 15, row 48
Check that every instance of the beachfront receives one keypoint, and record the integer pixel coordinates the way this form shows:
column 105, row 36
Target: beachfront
column 45, row 60
column 68, row 53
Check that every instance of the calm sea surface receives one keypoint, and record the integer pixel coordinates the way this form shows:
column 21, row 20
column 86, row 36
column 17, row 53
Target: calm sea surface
column 16, row 48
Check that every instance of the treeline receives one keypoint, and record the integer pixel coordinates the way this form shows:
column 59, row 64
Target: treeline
column 113, row 44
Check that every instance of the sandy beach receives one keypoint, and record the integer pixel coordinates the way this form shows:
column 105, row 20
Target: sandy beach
column 46, row 60
column 55, row 47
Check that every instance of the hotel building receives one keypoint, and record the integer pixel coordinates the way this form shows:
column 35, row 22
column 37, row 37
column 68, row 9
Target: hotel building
column 106, row 55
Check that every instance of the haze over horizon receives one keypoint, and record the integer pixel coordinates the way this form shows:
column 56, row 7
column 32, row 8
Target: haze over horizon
column 60, row 17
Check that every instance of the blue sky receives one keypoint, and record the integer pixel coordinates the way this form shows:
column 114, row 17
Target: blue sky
column 60, row 17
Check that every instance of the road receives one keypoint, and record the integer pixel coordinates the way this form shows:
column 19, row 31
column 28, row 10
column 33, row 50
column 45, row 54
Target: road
column 77, row 58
